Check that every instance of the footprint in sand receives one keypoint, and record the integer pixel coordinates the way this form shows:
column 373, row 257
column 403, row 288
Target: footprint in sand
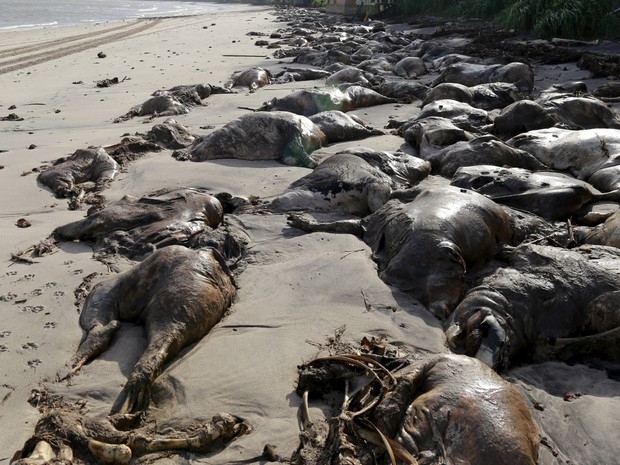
column 8, row 297
column 11, row 273
column 52, row 284
column 32, row 309
column 50, row 325
column 34, row 363
column 3, row 348
column 59, row 293
column 30, row 346
column 36, row 292
column 4, row 334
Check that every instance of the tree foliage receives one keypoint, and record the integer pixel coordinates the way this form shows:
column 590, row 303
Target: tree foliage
column 544, row 18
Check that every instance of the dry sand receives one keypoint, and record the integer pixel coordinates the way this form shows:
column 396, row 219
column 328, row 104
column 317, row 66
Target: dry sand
column 296, row 288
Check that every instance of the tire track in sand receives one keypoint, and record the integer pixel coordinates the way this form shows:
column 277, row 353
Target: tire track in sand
column 22, row 57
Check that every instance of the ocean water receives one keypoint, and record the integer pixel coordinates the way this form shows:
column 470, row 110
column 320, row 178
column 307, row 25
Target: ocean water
column 24, row 14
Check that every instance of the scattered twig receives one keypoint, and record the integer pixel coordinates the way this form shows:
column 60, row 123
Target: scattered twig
column 571, row 235
column 366, row 302
column 249, row 56
column 351, row 252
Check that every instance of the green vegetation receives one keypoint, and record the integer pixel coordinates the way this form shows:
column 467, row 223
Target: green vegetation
column 564, row 18
column 545, row 18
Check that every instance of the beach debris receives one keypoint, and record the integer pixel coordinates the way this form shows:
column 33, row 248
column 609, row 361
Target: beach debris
column 45, row 247
column 101, row 55
column 21, row 256
column 571, row 396
column 107, row 82
column 110, row 82
column 23, row 223
column 12, row 117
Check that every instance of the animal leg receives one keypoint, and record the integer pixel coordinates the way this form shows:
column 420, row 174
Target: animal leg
column 135, row 395
column 96, row 342
column 110, row 453
column 85, row 228
column 295, row 154
column 605, row 344
column 603, row 313
column 341, row 226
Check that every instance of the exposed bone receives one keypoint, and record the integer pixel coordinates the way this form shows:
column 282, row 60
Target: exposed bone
column 41, row 454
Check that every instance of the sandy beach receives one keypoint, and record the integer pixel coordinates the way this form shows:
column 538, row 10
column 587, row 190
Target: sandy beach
column 295, row 291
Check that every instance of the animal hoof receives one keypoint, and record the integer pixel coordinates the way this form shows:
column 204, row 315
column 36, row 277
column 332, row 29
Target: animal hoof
column 133, row 398
column 126, row 421
column 41, row 455
column 298, row 221
column 110, row 453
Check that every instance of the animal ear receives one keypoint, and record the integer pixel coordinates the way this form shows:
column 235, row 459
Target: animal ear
column 452, row 334
column 451, row 250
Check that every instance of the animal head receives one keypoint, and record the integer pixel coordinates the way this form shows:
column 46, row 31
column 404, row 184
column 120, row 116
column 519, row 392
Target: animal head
column 476, row 328
column 445, row 270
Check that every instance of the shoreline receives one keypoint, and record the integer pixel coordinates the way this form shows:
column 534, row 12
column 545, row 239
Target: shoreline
column 297, row 290
column 218, row 7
